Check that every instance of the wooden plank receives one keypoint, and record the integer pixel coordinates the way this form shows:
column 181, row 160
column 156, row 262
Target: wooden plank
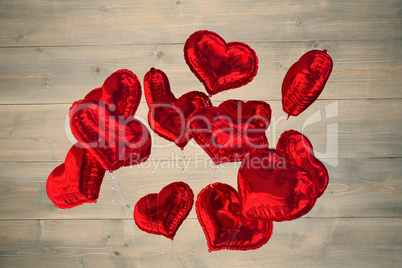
column 66, row 74
column 31, row 133
column 54, row 23
column 53, row 52
column 358, row 188
column 119, row 243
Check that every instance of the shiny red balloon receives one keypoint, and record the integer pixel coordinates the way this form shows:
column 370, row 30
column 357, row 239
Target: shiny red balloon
column 224, row 138
column 305, row 81
column 163, row 213
column 251, row 111
column 76, row 181
column 157, row 87
column 168, row 119
column 121, row 91
column 218, row 210
column 270, row 189
column 114, row 141
column 298, row 151
column 219, row 65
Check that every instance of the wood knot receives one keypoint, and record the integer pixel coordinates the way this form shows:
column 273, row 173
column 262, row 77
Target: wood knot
column 160, row 54
column 105, row 10
column 299, row 21
column 116, row 253
column 47, row 83
column 20, row 37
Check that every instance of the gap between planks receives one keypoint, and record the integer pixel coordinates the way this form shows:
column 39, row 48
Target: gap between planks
column 182, row 43
column 190, row 218
column 143, row 102
column 189, row 160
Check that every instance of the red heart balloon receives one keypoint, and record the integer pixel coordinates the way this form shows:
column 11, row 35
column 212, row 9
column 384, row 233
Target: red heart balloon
column 218, row 209
column 76, row 181
column 114, row 141
column 121, row 91
column 168, row 119
column 163, row 213
column 157, row 87
column 219, row 66
column 305, row 81
column 272, row 190
column 298, row 151
column 256, row 111
column 224, row 138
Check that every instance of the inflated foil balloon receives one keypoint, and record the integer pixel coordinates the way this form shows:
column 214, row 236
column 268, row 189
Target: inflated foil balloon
column 270, row 189
column 163, row 213
column 218, row 210
column 76, row 181
column 298, row 151
column 251, row 111
column 219, row 65
column 224, row 138
column 114, row 141
column 121, row 91
column 305, row 81
column 157, row 87
column 168, row 118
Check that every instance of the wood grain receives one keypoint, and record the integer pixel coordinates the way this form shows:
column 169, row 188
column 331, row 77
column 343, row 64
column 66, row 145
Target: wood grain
column 119, row 243
column 53, row 52
column 362, row 70
column 60, row 23
column 358, row 188
column 41, row 132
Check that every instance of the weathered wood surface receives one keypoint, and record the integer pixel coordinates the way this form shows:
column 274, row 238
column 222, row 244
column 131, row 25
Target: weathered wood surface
column 358, row 188
column 61, row 23
column 53, row 52
column 41, row 133
column 118, row 243
column 363, row 70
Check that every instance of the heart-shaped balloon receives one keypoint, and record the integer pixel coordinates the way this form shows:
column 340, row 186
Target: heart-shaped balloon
column 270, row 189
column 256, row 111
column 76, row 181
column 121, row 91
column 218, row 210
column 114, row 141
column 219, row 65
column 305, row 81
column 223, row 137
column 157, row 87
column 298, row 151
column 168, row 119
column 163, row 213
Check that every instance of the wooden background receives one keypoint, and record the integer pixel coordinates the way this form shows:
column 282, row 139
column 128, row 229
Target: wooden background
column 52, row 52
